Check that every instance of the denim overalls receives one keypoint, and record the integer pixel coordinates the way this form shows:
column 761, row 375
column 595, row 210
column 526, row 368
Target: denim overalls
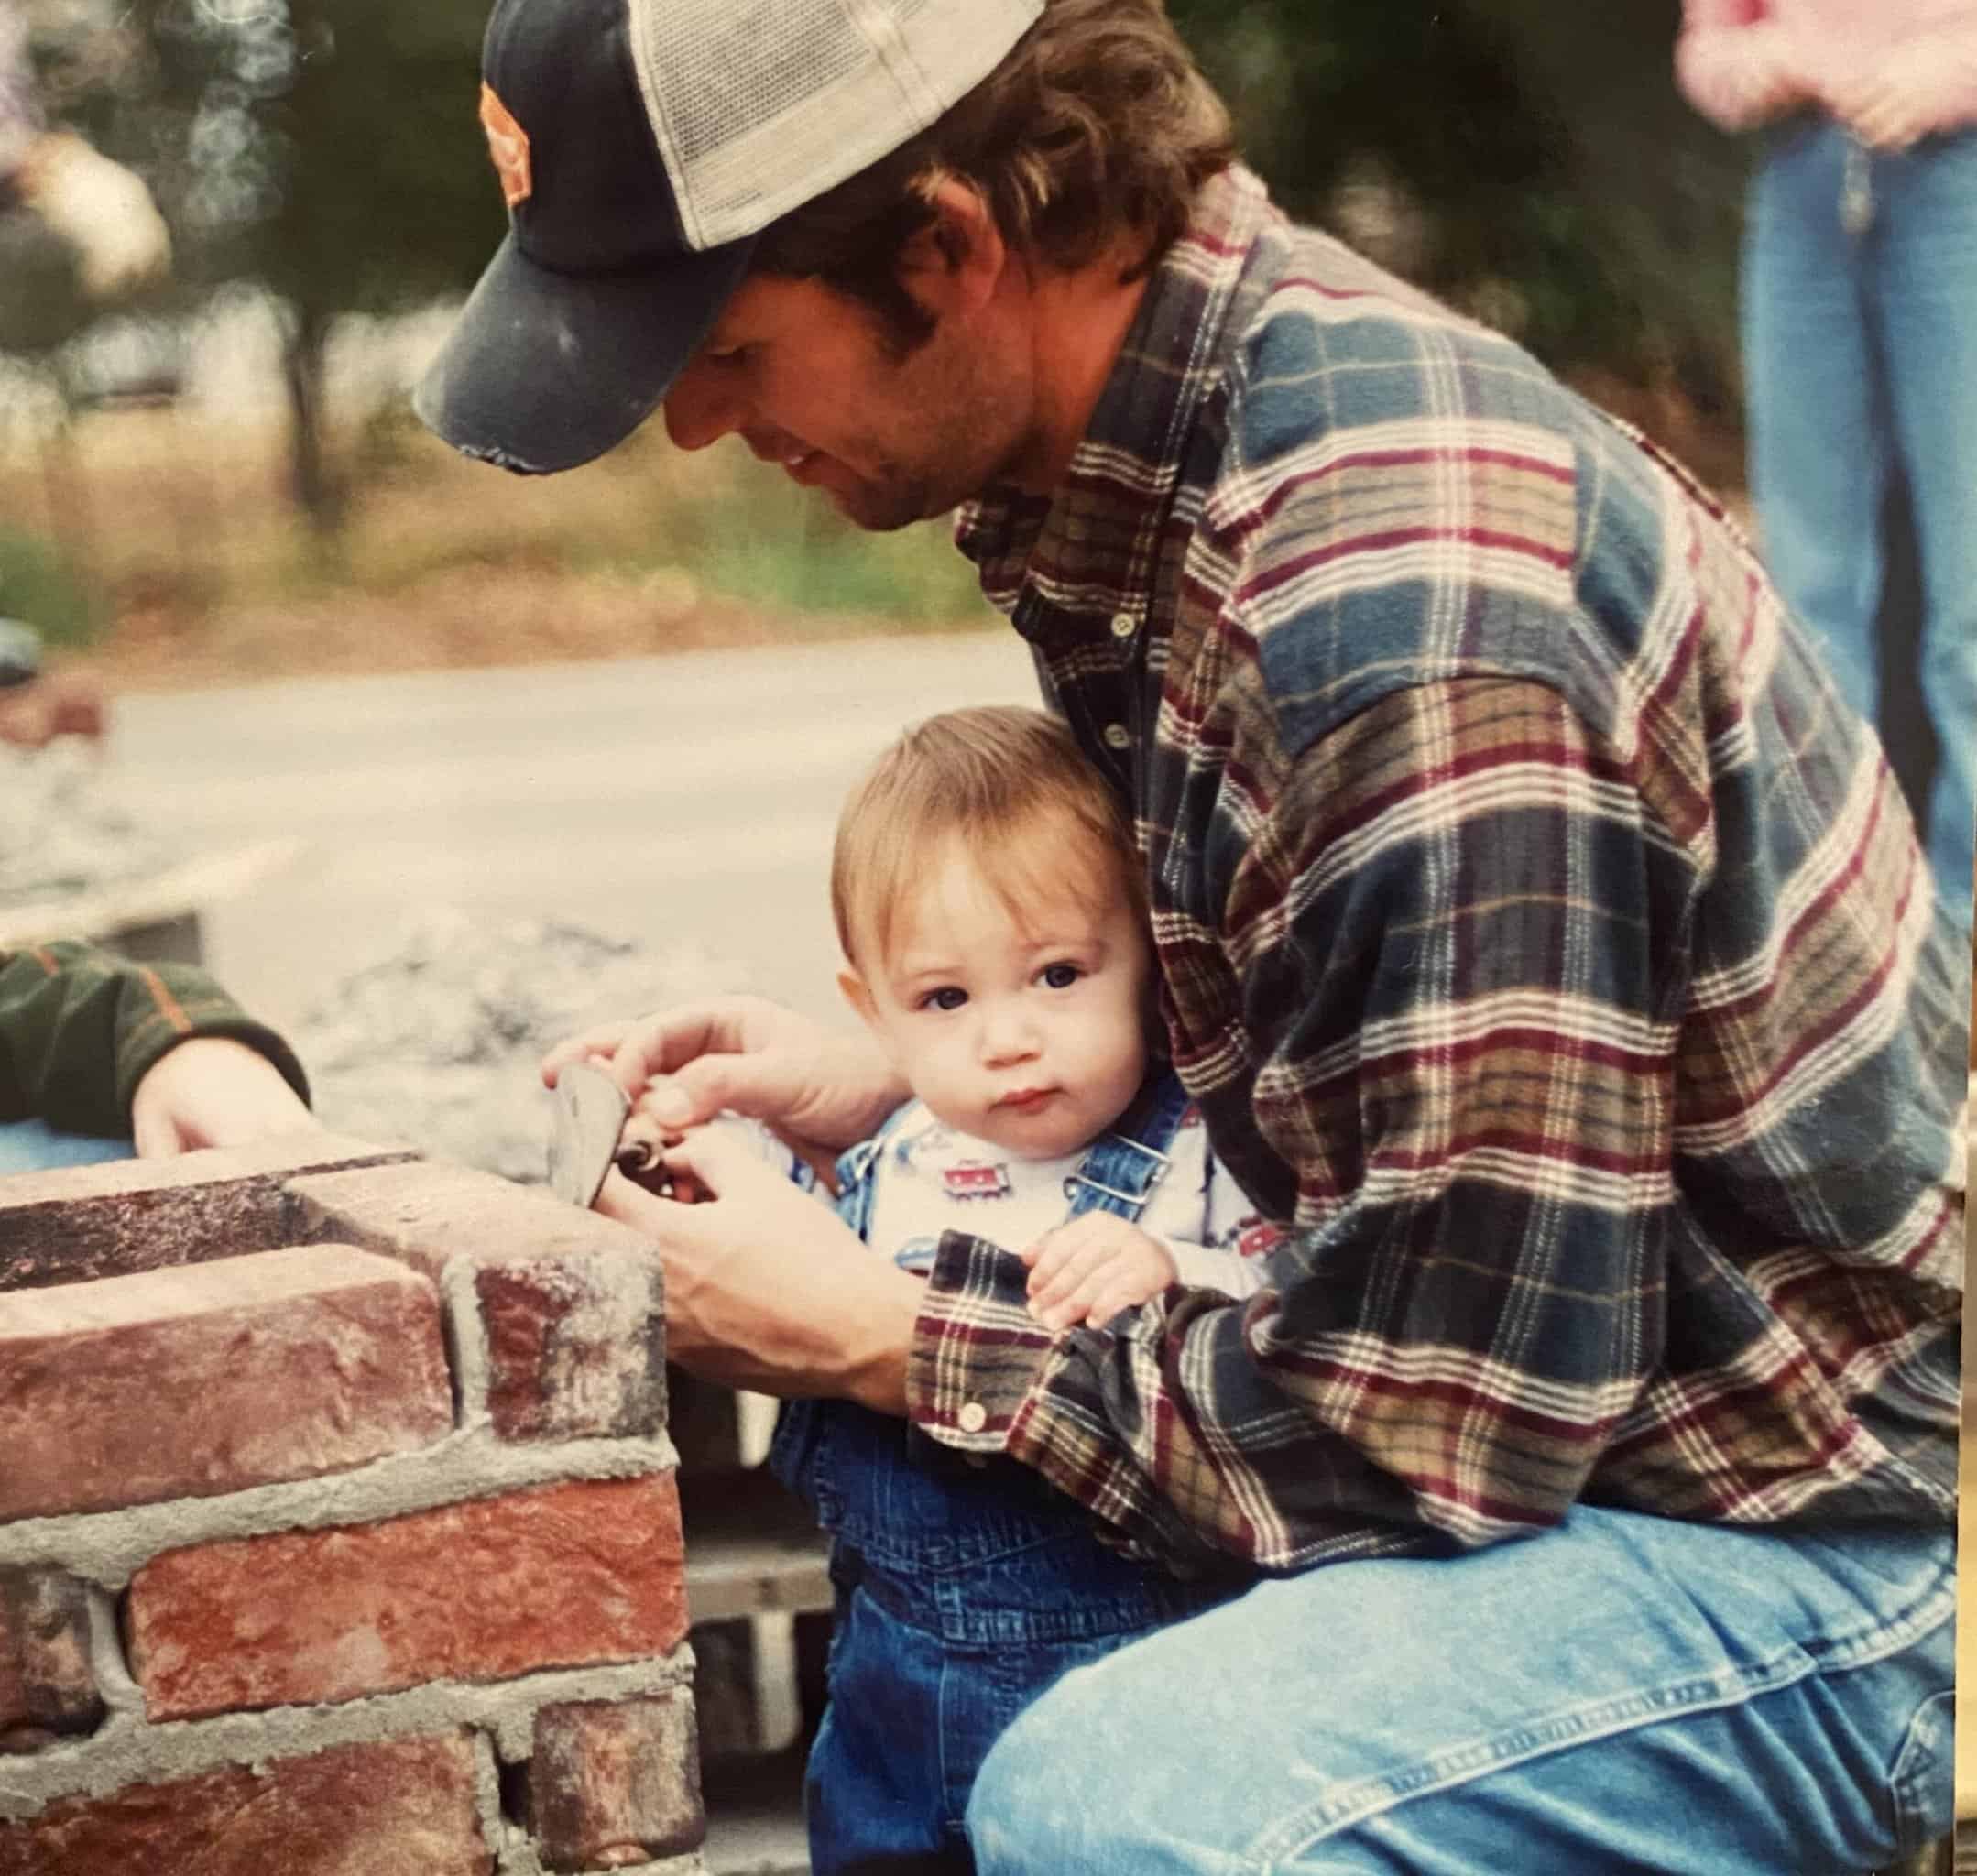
column 964, row 1588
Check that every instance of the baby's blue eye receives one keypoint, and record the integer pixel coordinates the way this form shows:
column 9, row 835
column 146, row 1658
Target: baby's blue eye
column 949, row 996
column 1061, row 976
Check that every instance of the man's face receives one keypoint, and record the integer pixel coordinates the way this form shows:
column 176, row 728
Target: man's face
column 804, row 376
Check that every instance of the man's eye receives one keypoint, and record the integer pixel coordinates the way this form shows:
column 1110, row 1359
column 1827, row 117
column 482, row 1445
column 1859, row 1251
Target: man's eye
column 1061, row 976
column 949, row 996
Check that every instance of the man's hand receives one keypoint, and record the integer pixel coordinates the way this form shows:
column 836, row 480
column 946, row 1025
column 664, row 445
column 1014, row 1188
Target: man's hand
column 1900, row 98
column 765, row 1287
column 1767, row 69
column 211, row 1091
column 820, row 1090
column 100, row 210
column 1089, row 1269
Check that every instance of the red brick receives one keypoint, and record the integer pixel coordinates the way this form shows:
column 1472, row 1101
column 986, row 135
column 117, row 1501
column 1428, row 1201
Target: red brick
column 428, row 1213
column 80, row 1223
column 404, row 1808
column 563, row 1576
column 238, row 1372
column 576, row 1346
column 47, row 1687
column 612, row 1785
column 573, row 1304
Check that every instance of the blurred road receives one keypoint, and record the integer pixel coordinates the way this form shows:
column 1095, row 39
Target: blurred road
column 689, row 798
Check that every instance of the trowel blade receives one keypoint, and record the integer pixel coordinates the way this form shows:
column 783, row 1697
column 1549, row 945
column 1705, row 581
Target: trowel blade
column 590, row 1110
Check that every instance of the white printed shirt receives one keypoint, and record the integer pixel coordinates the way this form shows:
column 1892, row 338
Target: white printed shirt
column 931, row 1179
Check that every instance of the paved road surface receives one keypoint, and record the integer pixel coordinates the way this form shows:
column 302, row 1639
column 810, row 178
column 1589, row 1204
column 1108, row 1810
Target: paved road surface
column 690, row 798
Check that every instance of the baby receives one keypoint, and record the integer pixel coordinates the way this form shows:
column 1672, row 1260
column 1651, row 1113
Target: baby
column 994, row 928
column 995, row 936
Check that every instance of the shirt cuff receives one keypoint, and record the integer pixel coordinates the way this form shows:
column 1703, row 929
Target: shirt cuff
column 155, row 1037
column 1200, row 1267
column 978, row 1355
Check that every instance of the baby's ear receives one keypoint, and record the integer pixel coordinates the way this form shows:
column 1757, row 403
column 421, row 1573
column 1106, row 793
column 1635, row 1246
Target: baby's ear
column 858, row 994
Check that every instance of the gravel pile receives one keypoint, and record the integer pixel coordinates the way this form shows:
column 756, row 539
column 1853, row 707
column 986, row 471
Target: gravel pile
column 435, row 1044
column 64, row 831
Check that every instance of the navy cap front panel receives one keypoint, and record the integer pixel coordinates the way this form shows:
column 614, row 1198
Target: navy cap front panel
column 599, row 200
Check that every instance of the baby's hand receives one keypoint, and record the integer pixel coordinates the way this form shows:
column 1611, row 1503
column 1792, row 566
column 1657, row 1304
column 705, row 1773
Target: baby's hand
column 1087, row 1271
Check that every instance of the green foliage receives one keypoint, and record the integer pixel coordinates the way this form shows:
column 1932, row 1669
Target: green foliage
column 39, row 587
column 1553, row 165
column 815, row 562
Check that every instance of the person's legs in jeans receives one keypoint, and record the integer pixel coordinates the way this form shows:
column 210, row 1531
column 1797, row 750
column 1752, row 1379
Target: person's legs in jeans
column 962, row 1593
column 1925, row 310
column 1819, row 449
column 1626, row 1694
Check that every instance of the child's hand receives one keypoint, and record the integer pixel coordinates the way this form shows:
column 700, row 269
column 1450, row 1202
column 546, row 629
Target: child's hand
column 1087, row 1271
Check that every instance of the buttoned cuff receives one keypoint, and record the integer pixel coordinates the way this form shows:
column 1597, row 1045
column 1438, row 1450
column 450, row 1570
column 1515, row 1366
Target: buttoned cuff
column 978, row 1356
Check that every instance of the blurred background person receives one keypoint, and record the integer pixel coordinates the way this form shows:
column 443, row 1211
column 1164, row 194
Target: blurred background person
column 1860, row 333
column 102, row 1058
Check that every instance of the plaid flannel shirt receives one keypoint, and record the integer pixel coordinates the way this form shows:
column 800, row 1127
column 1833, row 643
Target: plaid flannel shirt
column 1544, row 938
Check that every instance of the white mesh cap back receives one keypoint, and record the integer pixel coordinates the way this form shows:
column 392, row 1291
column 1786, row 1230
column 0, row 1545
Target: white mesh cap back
column 760, row 105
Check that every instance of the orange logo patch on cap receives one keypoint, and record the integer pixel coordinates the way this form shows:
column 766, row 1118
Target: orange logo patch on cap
column 507, row 144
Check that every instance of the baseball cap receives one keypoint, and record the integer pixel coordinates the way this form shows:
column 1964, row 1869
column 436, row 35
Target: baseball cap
column 642, row 146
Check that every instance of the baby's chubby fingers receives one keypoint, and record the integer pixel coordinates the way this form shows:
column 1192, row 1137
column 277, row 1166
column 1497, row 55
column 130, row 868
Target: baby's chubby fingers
column 1059, row 1257
column 1106, row 1297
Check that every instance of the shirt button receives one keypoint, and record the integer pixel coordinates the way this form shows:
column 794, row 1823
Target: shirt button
column 974, row 1416
column 1118, row 735
column 1124, row 624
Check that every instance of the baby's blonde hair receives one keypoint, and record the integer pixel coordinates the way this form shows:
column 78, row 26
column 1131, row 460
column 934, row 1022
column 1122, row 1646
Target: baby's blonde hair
column 1012, row 789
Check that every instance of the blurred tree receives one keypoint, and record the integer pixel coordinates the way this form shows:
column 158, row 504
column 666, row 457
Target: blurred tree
column 382, row 195
column 1533, row 162
column 1530, row 161
column 324, row 150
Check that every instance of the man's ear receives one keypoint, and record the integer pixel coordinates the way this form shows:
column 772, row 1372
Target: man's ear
column 957, row 261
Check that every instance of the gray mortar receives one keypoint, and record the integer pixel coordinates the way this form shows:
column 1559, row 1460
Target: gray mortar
column 126, row 1750
column 108, row 1547
column 469, row 1357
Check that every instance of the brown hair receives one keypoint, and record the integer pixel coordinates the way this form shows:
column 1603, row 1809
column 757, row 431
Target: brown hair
column 1012, row 788
column 1097, row 125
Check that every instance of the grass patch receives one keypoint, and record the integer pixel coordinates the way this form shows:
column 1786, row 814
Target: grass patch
column 40, row 587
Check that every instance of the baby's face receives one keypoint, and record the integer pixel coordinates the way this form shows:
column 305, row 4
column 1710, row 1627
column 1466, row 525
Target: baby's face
column 1029, row 1032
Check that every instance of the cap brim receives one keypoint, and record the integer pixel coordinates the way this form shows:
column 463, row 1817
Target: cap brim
column 546, row 371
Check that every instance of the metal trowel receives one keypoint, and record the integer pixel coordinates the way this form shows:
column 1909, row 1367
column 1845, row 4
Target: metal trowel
column 590, row 1113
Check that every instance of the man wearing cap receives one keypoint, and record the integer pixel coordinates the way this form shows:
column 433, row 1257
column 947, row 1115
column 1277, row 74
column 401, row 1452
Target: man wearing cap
column 1541, row 934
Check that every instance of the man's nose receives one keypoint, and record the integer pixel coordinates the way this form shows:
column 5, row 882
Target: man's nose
column 699, row 409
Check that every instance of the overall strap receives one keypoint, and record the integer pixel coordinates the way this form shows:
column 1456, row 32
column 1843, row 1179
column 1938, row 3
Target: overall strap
column 856, row 1168
column 1121, row 1167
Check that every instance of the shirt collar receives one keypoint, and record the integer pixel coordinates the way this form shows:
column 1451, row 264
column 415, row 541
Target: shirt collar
column 1085, row 553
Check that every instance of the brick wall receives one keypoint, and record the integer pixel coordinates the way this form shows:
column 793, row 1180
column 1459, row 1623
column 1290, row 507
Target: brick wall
column 339, row 1530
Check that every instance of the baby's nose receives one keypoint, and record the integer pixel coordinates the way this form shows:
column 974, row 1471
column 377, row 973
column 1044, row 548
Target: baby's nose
column 1008, row 1035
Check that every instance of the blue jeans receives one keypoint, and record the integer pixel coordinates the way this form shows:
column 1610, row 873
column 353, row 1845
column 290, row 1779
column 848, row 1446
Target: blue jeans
column 33, row 1146
column 1623, row 1694
column 1860, row 352
column 962, row 1593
